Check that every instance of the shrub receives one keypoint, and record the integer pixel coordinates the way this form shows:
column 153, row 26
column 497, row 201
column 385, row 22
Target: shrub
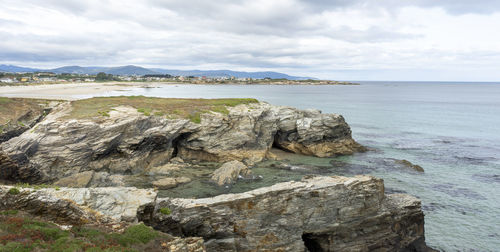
column 165, row 210
column 195, row 118
column 9, row 212
column 104, row 113
column 136, row 234
column 14, row 191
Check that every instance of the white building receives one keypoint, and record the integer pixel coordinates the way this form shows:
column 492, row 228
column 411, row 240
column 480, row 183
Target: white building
column 8, row 80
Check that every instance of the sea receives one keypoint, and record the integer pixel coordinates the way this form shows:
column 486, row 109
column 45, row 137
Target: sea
column 450, row 129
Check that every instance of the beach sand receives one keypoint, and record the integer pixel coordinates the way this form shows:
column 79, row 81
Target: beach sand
column 68, row 91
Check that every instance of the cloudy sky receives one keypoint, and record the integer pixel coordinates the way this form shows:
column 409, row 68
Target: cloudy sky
column 331, row 39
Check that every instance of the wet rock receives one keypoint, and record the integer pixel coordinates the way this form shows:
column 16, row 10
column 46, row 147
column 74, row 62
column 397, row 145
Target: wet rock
column 128, row 142
column 318, row 213
column 229, row 172
column 76, row 180
column 166, row 169
column 408, row 164
column 167, row 183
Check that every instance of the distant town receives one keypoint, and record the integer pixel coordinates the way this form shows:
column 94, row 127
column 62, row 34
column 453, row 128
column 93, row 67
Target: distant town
column 61, row 78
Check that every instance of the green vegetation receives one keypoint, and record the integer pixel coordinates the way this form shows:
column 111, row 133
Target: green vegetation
column 21, row 233
column 135, row 235
column 104, row 77
column 36, row 187
column 14, row 191
column 171, row 108
column 165, row 211
column 103, row 113
column 146, row 111
column 9, row 212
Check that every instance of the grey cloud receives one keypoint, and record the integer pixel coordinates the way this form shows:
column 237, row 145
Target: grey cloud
column 456, row 7
column 267, row 35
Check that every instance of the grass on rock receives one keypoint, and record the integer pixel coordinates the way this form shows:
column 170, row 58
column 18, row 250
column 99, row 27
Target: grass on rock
column 169, row 107
column 12, row 109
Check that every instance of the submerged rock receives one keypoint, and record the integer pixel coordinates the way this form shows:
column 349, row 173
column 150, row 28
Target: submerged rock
column 317, row 213
column 167, row 183
column 408, row 164
column 229, row 172
column 166, row 169
column 125, row 141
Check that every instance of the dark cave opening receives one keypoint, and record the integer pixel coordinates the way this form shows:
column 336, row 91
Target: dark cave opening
column 177, row 142
column 311, row 244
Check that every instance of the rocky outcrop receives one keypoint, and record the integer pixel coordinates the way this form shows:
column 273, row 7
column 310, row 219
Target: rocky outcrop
column 229, row 172
column 317, row 213
column 18, row 115
column 125, row 141
column 78, row 204
column 110, row 208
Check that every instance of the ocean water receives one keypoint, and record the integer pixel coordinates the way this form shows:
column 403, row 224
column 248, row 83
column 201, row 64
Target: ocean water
column 452, row 130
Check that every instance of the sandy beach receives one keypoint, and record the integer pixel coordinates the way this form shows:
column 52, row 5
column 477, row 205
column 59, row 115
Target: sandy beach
column 68, row 91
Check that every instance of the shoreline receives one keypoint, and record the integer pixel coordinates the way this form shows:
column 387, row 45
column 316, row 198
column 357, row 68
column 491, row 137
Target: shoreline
column 66, row 91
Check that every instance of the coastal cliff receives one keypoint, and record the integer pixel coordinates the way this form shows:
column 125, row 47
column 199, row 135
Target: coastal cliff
column 317, row 213
column 95, row 144
column 110, row 135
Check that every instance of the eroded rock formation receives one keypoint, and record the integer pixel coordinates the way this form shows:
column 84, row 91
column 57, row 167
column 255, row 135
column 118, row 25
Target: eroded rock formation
column 317, row 213
column 128, row 142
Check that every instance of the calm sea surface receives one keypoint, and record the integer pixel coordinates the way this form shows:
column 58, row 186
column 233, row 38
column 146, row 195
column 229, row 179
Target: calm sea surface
column 452, row 130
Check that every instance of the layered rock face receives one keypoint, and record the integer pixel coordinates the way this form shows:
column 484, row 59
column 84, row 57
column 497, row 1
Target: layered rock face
column 23, row 117
column 128, row 142
column 115, row 208
column 315, row 214
column 318, row 214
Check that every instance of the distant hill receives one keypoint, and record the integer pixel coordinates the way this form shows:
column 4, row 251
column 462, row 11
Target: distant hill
column 229, row 73
column 136, row 70
column 122, row 70
column 17, row 69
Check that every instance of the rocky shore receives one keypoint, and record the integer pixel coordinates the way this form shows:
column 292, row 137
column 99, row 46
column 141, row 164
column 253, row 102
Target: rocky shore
column 96, row 145
column 128, row 140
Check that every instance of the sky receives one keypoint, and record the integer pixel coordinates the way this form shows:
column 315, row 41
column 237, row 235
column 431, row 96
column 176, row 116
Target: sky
column 420, row 40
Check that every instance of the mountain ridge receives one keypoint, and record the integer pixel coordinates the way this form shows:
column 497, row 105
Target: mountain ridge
column 137, row 70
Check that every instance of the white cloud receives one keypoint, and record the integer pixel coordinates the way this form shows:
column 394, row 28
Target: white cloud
column 340, row 39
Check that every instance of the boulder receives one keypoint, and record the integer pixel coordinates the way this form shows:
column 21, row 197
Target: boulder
column 167, row 183
column 166, row 169
column 76, row 180
column 229, row 172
